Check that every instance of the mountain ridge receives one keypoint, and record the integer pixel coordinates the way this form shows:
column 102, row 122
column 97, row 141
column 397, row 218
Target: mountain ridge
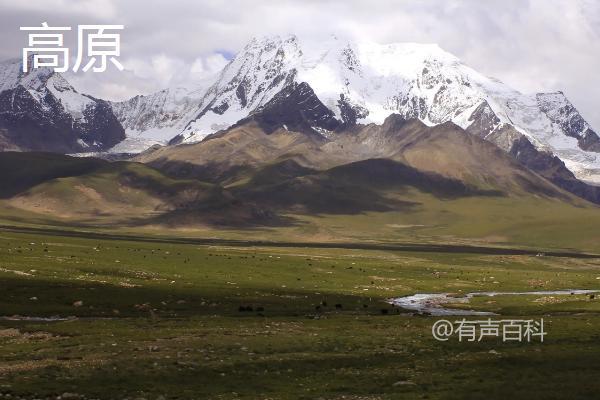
column 41, row 111
column 363, row 82
column 446, row 150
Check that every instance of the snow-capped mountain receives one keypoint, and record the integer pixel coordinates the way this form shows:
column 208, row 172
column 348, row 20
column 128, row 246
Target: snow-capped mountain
column 322, row 86
column 365, row 82
column 156, row 118
column 40, row 110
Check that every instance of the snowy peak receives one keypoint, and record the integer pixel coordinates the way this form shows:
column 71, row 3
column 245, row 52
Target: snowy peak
column 364, row 82
column 156, row 118
column 40, row 110
column 561, row 112
column 39, row 82
column 140, row 112
column 12, row 75
column 261, row 70
column 359, row 82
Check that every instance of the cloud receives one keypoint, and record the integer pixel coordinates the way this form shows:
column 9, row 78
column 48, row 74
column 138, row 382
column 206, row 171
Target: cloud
column 146, row 76
column 200, row 69
column 532, row 45
column 91, row 8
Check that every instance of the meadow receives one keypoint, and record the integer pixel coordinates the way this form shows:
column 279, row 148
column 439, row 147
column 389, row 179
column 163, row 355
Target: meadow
column 112, row 318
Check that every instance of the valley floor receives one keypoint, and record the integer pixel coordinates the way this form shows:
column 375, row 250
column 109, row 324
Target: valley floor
column 103, row 317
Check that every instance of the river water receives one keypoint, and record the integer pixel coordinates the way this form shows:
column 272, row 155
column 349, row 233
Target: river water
column 433, row 303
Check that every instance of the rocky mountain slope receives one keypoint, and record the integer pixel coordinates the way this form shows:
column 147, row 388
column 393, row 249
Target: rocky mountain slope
column 363, row 82
column 40, row 110
column 234, row 157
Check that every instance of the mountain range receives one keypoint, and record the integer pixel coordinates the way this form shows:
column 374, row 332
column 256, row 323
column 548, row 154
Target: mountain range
column 313, row 129
column 364, row 83
column 401, row 180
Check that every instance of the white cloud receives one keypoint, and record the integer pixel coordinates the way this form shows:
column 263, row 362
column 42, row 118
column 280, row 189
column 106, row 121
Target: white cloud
column 91, row 8
column 147, row 76
column 204, row 67
column 214, row 63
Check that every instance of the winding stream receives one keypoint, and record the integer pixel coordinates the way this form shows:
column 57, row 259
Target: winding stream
column 433, row 303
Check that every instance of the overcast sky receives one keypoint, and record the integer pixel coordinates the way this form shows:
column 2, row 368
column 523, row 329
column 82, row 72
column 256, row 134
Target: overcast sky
column 532, row 45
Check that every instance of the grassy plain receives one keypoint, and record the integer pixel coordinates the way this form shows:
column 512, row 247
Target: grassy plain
column 167, row 320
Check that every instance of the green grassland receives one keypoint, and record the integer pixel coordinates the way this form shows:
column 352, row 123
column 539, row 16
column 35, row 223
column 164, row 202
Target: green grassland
column 504, row 221
column 173, row 320
column 499, row 221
